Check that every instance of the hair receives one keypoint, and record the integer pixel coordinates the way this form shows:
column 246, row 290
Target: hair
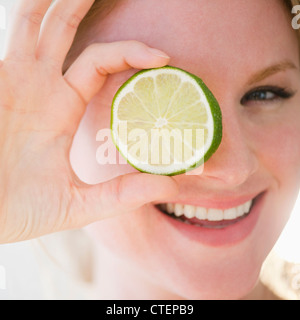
column 292, row 3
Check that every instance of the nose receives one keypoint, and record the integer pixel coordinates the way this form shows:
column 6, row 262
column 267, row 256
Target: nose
column 235, row 160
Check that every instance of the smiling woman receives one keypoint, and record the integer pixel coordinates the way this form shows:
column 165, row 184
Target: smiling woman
column 199, row 236
column 258, row 96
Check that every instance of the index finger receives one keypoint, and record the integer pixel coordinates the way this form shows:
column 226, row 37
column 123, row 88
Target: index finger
column 24, row 28
column 88, row 73
column 59, row 28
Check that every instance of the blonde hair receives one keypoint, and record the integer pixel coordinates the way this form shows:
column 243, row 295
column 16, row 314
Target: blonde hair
column 293, row 3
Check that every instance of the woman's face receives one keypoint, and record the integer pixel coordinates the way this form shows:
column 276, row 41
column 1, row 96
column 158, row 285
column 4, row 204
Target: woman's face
column 247, row 54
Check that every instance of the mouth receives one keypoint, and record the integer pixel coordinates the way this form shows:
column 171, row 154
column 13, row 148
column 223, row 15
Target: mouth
column 211, row 218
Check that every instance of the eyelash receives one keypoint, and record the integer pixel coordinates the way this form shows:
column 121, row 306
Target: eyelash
column 260, row 95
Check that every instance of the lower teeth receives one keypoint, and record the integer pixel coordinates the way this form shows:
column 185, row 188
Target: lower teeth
column 208, row 224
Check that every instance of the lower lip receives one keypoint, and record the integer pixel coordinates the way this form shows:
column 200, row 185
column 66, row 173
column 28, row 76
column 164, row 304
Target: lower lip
column 226, row 236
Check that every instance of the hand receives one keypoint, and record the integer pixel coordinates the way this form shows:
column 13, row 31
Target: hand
column 40, row 110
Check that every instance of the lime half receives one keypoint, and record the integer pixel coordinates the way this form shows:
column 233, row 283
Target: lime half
column 165, row 121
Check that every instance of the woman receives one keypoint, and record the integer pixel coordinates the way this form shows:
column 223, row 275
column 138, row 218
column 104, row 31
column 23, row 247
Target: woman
column 248, row 55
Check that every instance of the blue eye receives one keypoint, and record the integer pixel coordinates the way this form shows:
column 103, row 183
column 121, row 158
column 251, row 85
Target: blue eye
column 266, row 94
column 262, row 95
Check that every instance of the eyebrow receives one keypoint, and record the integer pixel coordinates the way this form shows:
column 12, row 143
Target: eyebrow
column 265, row 73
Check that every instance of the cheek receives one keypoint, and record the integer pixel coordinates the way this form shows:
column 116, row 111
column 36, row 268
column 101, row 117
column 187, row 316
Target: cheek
column 275, row 138
column 280, row 151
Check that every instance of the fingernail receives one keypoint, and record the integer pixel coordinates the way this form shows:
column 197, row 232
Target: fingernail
column 158, row 53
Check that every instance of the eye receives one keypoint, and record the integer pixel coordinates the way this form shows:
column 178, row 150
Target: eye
column 266, row 95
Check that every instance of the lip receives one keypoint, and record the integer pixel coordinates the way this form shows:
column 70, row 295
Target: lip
column 227, row 236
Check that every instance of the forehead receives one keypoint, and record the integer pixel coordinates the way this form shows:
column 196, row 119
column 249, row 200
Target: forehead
column 217, row 34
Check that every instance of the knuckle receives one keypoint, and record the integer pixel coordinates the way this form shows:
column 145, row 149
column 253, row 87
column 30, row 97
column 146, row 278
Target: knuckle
column 34, row 18
column 101, row 72
column 71, row 20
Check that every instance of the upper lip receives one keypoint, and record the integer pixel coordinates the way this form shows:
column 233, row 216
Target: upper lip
column 216, row 202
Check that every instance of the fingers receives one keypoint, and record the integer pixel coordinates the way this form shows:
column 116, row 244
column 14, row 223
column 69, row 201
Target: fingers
column 88, row 73
column 122, row 194
column 59, row 28
column 23, row 31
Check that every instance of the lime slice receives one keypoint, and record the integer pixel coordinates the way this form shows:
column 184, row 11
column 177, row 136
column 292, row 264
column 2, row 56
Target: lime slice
column 165, row 121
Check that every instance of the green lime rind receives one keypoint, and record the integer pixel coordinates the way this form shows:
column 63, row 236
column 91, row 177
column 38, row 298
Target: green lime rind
column 215, row 111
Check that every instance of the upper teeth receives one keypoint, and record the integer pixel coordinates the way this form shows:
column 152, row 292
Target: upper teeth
column 201, row 213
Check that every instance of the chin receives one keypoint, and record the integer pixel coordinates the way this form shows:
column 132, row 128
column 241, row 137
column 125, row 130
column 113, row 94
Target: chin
column 197, row 272
column 222, row 283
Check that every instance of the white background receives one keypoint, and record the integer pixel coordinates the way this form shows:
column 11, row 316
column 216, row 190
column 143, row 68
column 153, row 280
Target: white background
column 19, row 272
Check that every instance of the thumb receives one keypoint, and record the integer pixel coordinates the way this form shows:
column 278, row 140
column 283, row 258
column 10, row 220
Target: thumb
column 120, row 195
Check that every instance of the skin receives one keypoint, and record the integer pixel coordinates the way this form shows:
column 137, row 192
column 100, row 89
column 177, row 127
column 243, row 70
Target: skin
column 142, row 255
column 40, row 193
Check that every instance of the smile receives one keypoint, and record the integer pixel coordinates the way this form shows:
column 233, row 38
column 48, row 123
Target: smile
column 206, row 217
column 213, row 223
